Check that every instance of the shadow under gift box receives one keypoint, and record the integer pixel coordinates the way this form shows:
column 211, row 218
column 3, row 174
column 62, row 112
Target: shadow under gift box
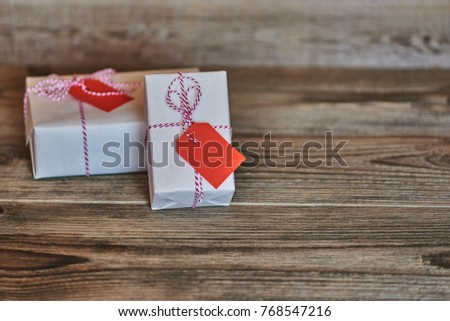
column 54, row 132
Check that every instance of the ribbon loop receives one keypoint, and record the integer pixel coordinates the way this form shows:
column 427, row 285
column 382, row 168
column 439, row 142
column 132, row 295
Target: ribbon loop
column 186, row 105
column 55, row 88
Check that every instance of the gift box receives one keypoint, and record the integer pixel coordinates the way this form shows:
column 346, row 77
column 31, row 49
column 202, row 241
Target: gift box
column 191, row 160
column 87, row 124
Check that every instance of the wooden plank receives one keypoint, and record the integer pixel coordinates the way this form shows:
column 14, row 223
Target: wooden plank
column 136, row 34
column 290, row 102
column 306, row 119
column 259, row 226
column 12, row 86
column 149, row 284
column 282, row 86
column 256, row 86
column 384, row 171
column 343, row 119
column 125, row 252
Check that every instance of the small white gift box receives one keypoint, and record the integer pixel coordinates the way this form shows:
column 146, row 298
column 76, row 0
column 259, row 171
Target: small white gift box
column 177, row 103
column 68, row 137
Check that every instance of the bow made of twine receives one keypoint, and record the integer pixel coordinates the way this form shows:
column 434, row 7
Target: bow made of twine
column 56, row 88
column 187, row 103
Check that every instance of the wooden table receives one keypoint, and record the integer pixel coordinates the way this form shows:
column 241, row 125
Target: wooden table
column 377, row 229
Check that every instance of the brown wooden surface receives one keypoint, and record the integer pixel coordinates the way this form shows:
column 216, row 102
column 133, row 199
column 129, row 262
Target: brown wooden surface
column 155, row 33
column 378, row 229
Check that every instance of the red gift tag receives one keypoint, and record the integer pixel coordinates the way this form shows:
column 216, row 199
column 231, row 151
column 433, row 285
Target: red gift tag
column 105, row 103
column 208, row 153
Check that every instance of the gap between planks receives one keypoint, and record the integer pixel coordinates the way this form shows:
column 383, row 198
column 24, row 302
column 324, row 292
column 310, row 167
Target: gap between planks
column 146, row 202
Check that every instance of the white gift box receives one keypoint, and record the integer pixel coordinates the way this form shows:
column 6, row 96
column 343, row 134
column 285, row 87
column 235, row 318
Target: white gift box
column 172, row 180
column 55, row 134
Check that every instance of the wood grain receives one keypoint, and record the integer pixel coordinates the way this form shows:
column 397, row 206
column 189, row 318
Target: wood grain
column 137, row 34
column 378, row 229
column 125, row 252
column 383, row 171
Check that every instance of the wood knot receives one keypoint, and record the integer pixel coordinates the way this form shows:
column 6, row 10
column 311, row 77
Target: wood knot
column 2, row 210
column 23, row 260
column 440, row 160
column 4, row 159
column 441, row 259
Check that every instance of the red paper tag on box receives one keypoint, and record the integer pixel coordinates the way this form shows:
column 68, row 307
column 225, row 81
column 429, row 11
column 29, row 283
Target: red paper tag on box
column 208, row 153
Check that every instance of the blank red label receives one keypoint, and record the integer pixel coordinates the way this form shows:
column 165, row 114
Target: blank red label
column 208, row 153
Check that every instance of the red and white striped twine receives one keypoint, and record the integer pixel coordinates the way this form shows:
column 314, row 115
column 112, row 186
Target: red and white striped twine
column 85, row 141
column 199, row 194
